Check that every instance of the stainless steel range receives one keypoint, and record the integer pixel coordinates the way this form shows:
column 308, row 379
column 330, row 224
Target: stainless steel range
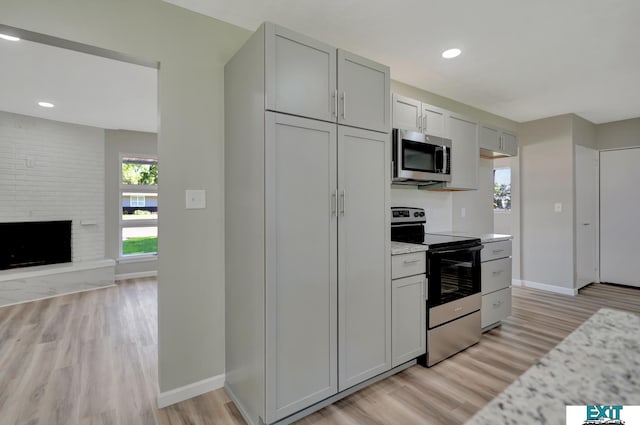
column 454, row 292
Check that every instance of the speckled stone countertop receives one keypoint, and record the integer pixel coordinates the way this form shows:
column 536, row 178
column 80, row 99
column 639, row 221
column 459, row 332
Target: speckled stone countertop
column 598, row 363
column 484, row 238
column 406, row 248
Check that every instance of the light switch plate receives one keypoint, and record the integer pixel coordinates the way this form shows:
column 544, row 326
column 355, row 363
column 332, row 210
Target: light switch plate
column 196, row 199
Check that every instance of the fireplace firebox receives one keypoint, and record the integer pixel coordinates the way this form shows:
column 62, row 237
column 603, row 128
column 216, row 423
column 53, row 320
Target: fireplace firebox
column 34, row 243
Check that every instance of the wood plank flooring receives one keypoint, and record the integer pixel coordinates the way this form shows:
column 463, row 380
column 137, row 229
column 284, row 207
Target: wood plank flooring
column 91, row 358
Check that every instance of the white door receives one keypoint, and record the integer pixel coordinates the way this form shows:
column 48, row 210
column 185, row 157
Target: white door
column 586, row 223
column 364, row 263
column 619, row 225
column 301, row 249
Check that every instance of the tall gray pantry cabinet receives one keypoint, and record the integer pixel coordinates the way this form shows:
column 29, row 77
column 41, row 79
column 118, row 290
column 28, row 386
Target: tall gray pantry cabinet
column 307, row 180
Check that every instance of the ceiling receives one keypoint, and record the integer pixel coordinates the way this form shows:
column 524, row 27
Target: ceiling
column 86, row 89
column 522, row 60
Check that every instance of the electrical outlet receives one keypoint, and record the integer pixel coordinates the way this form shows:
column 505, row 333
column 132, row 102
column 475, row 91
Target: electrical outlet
column 195, row 199
column 557, row 207
column 463, row 212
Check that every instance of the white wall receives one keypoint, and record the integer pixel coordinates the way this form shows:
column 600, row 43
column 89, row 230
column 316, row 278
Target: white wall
column 546, row 173
column 476, row 204
column 117, row 142
column 618, row 134
column 54, row 171
column 437, row 205
column 192, row 50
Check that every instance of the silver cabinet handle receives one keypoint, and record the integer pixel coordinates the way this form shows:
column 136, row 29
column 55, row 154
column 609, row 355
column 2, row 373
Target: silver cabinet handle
column 418, row 121
column 497, row 304
column 344, row 105
column 334, row 106
column 496, row 251
column 342, row 202
column 411, row 261
column 424, row 123
column 334, row 202
column 497, row 272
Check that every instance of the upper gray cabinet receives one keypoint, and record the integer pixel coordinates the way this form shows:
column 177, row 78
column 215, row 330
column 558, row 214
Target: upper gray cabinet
column 312, row 79
column 411, row 114
column 495, row 142
column 463, row 133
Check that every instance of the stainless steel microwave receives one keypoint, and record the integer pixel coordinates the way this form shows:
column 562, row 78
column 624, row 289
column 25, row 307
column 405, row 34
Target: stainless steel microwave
column 420, row 158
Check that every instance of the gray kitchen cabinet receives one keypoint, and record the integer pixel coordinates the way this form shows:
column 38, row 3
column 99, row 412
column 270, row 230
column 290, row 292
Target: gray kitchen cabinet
column 301, row 277
column 363, row 93
column 496, row 275
column 300, row 74
column 308, row 78
column 408, row 306
column 495, row 142
column 434, row 120
column 411, row 114
column 463, row 133
column 307, row 219
column 364, row 278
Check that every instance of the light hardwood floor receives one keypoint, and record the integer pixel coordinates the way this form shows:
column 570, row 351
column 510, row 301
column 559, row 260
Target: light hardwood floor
column 90, row 358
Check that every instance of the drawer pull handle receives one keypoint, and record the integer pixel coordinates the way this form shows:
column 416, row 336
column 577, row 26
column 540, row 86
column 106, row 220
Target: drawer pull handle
column 497, row 251
column 497, row 304
column 407, row 262
column 497, row 272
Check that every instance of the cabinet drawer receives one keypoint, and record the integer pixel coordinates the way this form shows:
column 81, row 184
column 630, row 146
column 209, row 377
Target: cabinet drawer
column 493, row 250
column 408, row 264
column 496, row 306
column 496, row 274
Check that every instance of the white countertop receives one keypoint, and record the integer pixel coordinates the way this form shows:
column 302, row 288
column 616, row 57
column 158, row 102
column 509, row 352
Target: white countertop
column 484, row 238
column 406, row 248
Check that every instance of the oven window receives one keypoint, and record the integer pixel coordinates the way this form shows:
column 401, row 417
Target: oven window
column 453, row 275
column 418, row 156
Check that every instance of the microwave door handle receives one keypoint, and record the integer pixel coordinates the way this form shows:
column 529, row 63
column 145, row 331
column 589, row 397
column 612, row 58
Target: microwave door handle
column 444, row 160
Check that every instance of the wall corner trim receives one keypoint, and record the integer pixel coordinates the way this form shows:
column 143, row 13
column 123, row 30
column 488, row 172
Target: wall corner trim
column 186, row 392
column 544, row 287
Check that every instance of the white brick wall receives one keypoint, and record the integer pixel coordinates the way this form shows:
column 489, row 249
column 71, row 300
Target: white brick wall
column 54, row 171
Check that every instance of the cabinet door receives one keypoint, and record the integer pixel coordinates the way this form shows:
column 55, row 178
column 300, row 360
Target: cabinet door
column 490, row 139
column 301, row 269
column 364, row 277
column 509, row 144
column 407, row 113
column 495, row 307
column 434, row 120
column 363, row 91
column 408, row 319
column 464, row 153
column 300, row 74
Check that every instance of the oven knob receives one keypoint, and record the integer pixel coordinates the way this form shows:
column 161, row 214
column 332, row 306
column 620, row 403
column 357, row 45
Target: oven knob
column 416, row 214
column 421, row 213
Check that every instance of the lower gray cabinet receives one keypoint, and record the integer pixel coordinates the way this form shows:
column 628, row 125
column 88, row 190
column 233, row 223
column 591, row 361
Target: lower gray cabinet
column 408, row 318
column 496, row 282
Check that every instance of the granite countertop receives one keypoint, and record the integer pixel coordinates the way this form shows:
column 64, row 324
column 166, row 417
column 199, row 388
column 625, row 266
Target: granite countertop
column 494, row 237
column 598, row 363
column 406, row 248
column 484, row 238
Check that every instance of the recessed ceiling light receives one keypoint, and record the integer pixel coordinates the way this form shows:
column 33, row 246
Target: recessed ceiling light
column 46, row 104
column 451, row 53
column 8, row 37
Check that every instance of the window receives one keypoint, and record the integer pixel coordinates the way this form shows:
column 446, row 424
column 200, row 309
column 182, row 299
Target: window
column 502, row 189
column 136, row 200
column 138, row 205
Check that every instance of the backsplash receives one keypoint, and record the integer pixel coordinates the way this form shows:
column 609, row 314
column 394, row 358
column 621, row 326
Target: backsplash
column 437, row 205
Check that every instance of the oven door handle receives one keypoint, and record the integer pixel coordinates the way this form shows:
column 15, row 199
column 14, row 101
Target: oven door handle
column 457, row 250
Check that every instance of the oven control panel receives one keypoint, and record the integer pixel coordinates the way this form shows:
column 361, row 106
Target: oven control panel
column 407, row 215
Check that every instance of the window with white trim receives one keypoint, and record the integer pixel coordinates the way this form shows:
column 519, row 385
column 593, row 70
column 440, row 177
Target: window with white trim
column 502, row 189
column 138, row 205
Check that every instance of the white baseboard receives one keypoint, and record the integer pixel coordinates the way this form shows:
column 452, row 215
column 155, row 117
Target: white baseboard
column 136, row 275
column 195, row 389
column 544, row 287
